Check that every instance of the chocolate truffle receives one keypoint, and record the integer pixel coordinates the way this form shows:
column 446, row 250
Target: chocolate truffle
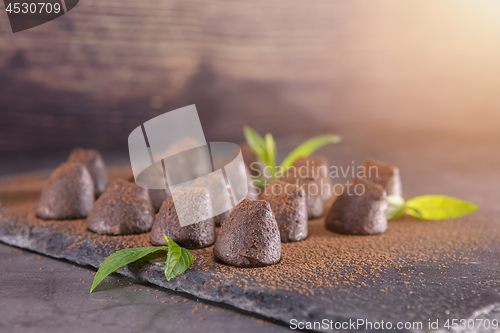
column 359, row 210
column 252, row 190
column 193, row 236
column 288, row 203
column 249, row 237
column 157, row 198
column 312, row 189
column 187, row 159
column 219, row 195
column 317, row 168
column 123, row 209
column 69, row 193
column 252, row 193
column 385, row 175
column 93, row 161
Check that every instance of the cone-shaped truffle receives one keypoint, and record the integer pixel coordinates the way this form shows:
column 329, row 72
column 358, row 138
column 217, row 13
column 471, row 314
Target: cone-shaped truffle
column 359, row 210
column 252, row 190
column 250, row 236
column 288, row 203
column 193, row 236
column 312, row 188
column 317, row 168
column 219, row 195
column 93, row 161
column 188, row 159
column 385, row 175
column 69, row 194
column 123, row 209
column 157, row 198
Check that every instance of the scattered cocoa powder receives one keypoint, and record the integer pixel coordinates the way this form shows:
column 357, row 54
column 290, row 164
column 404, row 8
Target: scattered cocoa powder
column 324, row 261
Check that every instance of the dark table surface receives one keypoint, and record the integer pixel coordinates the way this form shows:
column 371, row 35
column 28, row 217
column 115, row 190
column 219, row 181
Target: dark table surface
column 41, row 294
column 56, row 299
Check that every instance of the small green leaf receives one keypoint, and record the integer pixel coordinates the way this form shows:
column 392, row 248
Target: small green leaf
column 309, row 147
column 121, row 258
column 438, row 207
column 271, row 152
column 395, row 207
column 185, row 261
column 255, row 141
column 178, row 261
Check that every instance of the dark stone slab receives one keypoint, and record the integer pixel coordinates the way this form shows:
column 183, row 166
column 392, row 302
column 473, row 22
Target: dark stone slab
column 437, row 288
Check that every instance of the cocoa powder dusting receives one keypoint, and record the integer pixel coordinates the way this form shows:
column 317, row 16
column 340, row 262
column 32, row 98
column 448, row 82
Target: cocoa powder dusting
column 324, row 261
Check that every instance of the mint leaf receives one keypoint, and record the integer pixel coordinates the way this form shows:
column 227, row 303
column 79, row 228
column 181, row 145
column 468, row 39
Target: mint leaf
column 256, row 142
column 271, row 152
column 395, row 207
column 121, row 258
column 178, row 261
column 309, row 147
column 185, row 261
column 438, row 207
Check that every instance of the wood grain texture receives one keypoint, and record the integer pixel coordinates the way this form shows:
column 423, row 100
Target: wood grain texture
column 291, row 67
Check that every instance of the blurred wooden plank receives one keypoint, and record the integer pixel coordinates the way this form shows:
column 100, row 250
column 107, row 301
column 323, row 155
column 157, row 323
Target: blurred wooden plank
column 88, row 78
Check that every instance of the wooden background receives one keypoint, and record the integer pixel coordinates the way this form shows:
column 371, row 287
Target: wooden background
column 287, row 66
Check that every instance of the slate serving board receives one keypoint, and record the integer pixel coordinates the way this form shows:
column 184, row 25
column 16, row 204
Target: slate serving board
column 437, row 289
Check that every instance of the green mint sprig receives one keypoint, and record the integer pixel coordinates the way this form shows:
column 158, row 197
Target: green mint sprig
column 178, row 260
column 428, row 207
column 265, row 149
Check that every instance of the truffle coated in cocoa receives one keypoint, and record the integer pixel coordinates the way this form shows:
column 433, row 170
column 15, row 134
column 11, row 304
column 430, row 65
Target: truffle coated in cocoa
column 193, row 236
column 123, row 209
column 92, row 159
column 385, row 175
column 288, row 203
column 360, row 210
column 317, row 168
column 312, row 187
column 157, row 198
column 252, row 189
column 219, row 195
column 187, row 159
column 249, row 237
column 69, row 193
